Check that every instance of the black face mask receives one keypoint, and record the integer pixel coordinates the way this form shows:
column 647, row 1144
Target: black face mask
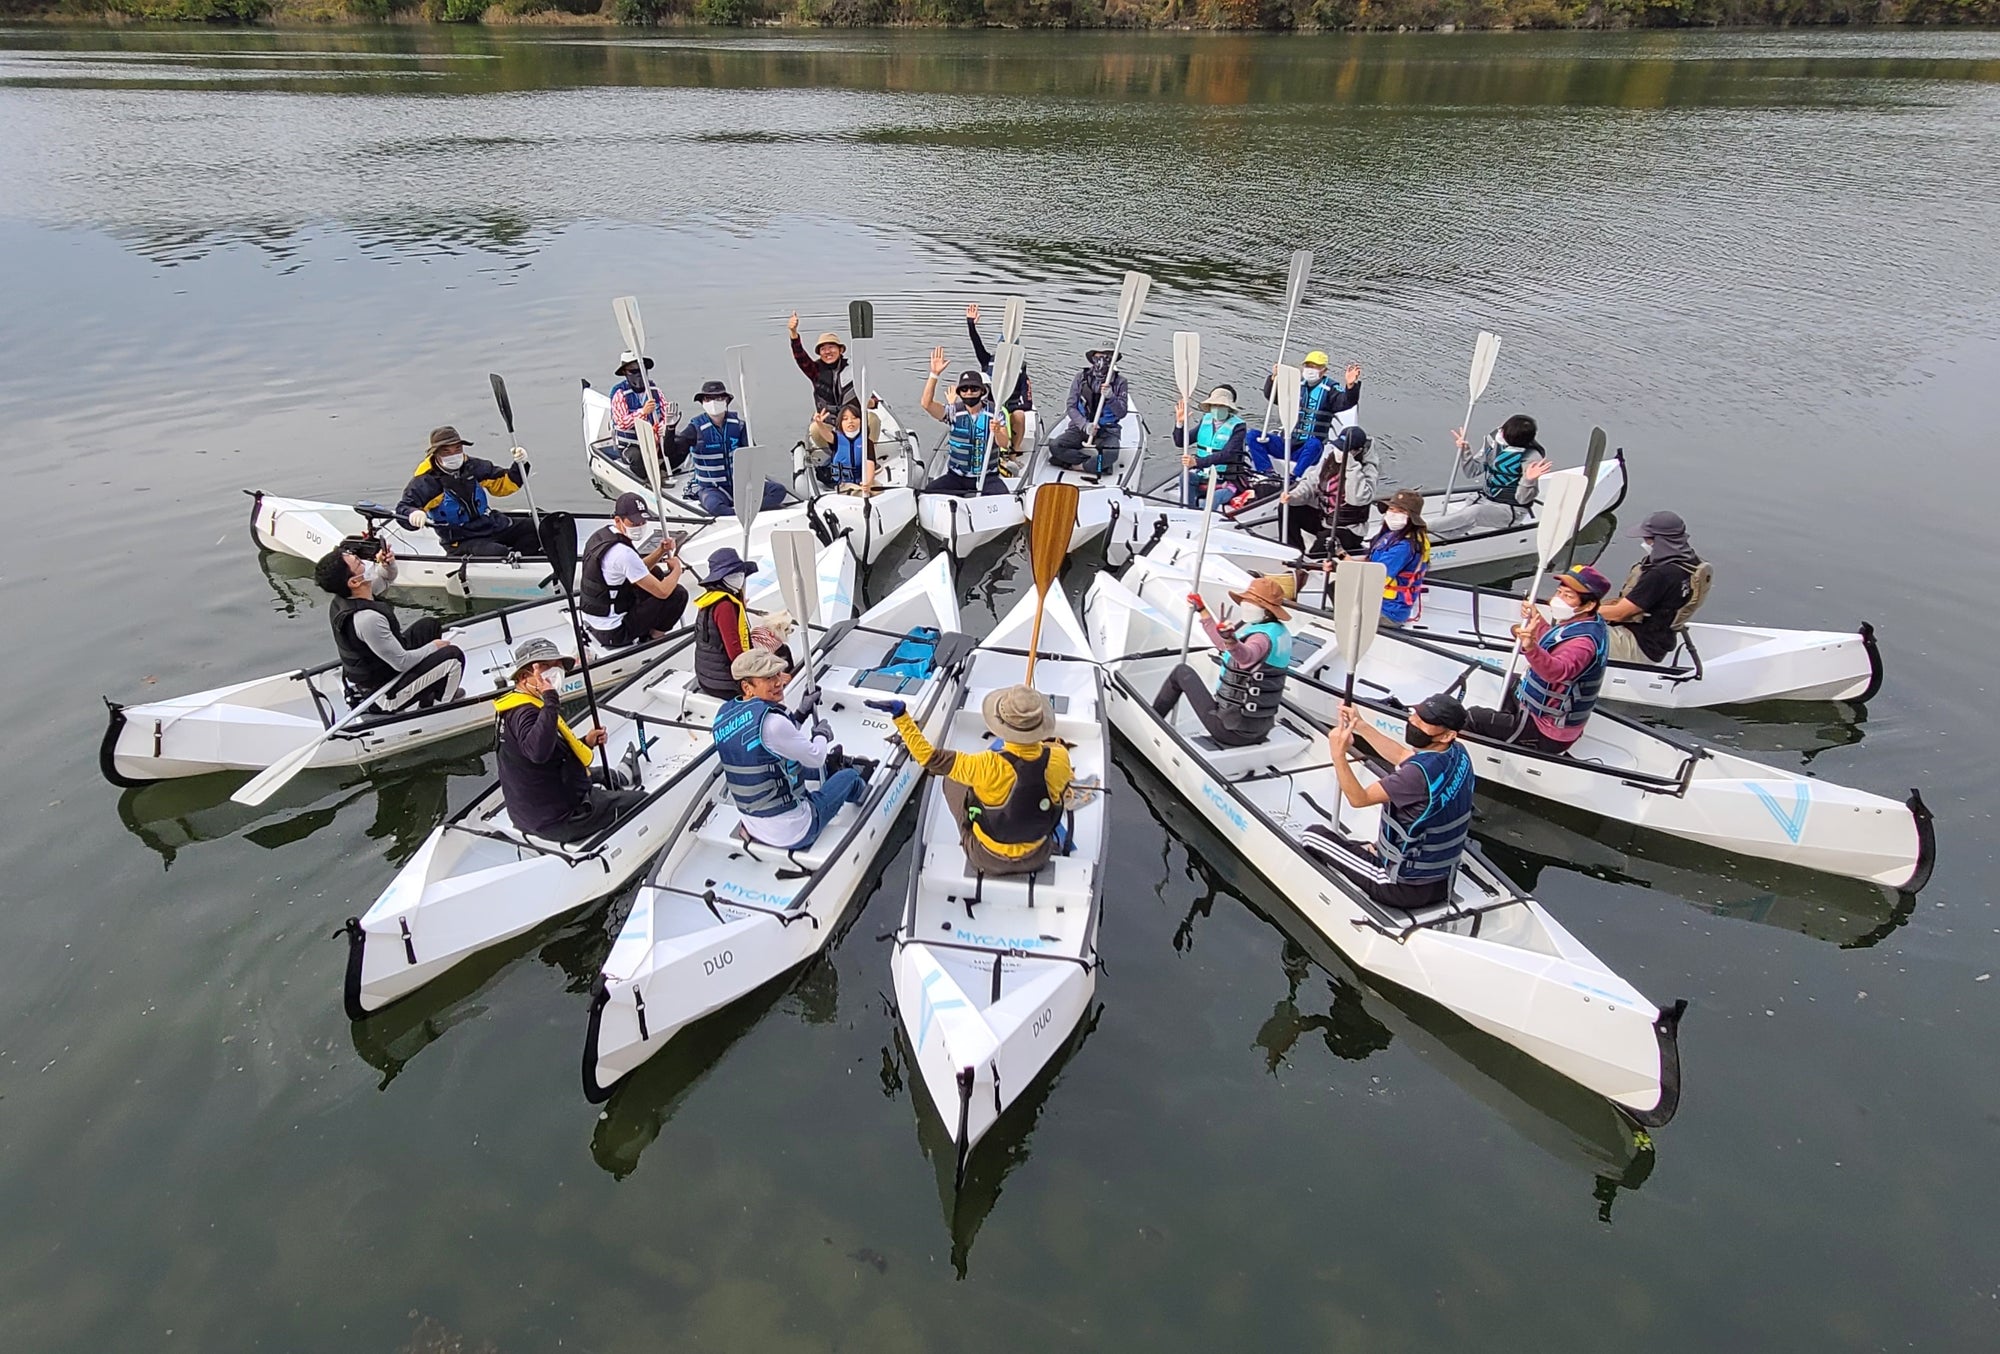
column 1416, row 737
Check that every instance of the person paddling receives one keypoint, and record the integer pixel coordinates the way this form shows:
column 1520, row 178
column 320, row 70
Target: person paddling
column 1321, row 401
column 1504, row 470
column 418, row 666
column 1403, row 547
column 849, row 462
column 1007, row 801
column 767, row 759
column 1019, row 401
column 1098, row 393
column 1333, row 496
column 1565, row 669
column 722, row 623
column 635, row 397
column 1660, row 593
column 1426, row 803
column 826, row 367
column 544, row 764
column 970, row 424
column 1257, row 655
column 449, row 491
column 712, row 438
column 623, row 597
column 1216, row 443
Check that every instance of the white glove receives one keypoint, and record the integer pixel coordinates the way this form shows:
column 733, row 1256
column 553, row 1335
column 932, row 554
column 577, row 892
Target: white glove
column 671, row 413
column 417, row 518
column 520, row 453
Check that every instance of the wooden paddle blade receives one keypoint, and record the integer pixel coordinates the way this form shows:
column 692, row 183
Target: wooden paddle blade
column 1295, row 280
column 1049, row 533
column 1562, row 497
column 1187, row 362
column 1012, row 316
column 626, row 308
column 861, row 319
column 1008, row 359
column 1131, row 297
column 796, row 555
column 500, row 398
column 559, row 544
column 1285, row 391
column 1485, row 351
column 1357, row 606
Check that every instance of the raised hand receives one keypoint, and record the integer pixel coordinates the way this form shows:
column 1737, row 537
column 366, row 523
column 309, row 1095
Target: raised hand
column 937, row 362
column 792, row 325
column 972, row 312
column 893, row 708
column 1353, row 373
column 1537, row 468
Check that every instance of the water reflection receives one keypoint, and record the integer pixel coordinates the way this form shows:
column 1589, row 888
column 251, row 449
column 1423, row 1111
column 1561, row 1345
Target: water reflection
column 1350, row 1033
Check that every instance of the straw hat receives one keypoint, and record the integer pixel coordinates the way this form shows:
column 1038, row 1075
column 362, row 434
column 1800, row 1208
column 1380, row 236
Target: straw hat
column 828, row 337
column 1224, row 396
column 1019, row 714
column 1267, row 593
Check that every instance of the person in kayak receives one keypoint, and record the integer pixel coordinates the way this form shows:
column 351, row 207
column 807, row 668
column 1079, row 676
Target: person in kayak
column 826, row 367
column 1007, row 800
column 417, row 665
column 722, row 623
column 1426, row 804
column 767, row 759
column 635, row 397
column 449, row 491
column 712, row 439
column 1215, row 443
column 624, row 599
column 1660, row 594
column 1257, row 655
column 975, row 434
column 1332, row 497
column 544, row 764
column 849, row 459
column 1504, row 470
column 1403, row 547
column 1321, row 401
column 1098, row 403
column 1565, row 669
column 1020, row 400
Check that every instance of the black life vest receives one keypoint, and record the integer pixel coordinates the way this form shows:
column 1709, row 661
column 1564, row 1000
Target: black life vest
column 361, row 669
column 1029, row 813
column 711, row 657
column 596, row 596
column 1248, row 698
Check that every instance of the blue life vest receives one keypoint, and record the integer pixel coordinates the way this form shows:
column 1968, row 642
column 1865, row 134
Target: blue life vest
column 762, row 784
column 1503, row 469
column 463, row 502
column 714, row 448
column 1407, row 564
column 849, row 453
column 1247, row 698
column 965, row 443
column 629, row 437
column 1312, row 400
column 1424, row 845
column 1569, row 704
column 1212, row 436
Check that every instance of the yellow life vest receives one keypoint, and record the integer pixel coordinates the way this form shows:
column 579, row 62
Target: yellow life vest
column 517, row 698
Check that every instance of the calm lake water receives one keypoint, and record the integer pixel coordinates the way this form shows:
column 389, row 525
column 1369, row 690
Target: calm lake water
column 1764, row 262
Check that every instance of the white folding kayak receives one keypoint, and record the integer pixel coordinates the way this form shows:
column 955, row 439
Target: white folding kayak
column 478, row 880
column 1491, row 954
column 1100, row 498
column 994, row 973
column 868, row 524
column 1617, row 768
column 964, row 522
column 1711, row 664
column 721, row 914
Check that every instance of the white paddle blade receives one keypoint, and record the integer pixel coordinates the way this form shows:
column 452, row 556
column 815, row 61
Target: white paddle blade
column 796, row 555
column 1131, row 297
column 1295, row 280
column 739, row 381
column 1012, row 316
column 1008, row 359
column 1187, row 362
column 1484, row 352
column 630, row 326
column 1357, row 607
column 277, row 775
column 753, row 465
column 1562, row 498
column 649, row 449
column 1285, row 390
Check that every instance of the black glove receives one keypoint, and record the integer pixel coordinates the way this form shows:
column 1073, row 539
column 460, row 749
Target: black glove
column 891, row 708
column 822, row 729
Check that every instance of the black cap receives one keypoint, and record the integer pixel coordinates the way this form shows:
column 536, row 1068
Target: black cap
column 632, row 508
column 972, row 378
column 1442, row 710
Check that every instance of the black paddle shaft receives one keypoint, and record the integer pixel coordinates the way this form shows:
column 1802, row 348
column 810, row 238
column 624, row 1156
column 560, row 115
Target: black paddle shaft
column 559, row 544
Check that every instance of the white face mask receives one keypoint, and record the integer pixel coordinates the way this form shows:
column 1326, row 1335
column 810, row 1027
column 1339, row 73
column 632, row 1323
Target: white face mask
column 1249, row 613
column 553, row 676
column 451, row 462
column 1648, row 545
column 1561, row 609
column 715, row 409
column 1395, row 521
column 1310, row 375
column 736, row 582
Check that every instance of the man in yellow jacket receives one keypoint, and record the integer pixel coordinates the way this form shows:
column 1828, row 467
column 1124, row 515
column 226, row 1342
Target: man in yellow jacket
column 1007, row 800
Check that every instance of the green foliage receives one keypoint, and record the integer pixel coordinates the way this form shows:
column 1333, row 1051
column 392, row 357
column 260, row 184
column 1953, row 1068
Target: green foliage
column 193, row 11
column 455, row 11
column 729, row 12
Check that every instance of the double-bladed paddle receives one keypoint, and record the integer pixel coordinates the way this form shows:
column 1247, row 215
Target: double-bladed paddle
column 1485, row 350
column 1048, row 544
column 1131, row 297
column 1562, row 497
column 559, row 544
column 1187, row 378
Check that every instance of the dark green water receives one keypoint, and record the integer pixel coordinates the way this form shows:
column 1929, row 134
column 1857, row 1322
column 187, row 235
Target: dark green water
column 1764, row 262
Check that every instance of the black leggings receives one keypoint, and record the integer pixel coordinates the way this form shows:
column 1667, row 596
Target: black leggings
column 516, row 538
column 1511, row 724
column 1185, row 681
column 1304, row 521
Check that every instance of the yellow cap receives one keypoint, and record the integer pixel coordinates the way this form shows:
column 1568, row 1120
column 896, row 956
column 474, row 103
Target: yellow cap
column 1316, row 358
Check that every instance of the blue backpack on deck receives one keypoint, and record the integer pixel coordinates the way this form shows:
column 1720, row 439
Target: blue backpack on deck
column 912, row 660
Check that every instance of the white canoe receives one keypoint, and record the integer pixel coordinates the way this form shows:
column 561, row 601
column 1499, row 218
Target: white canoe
column 962, row 523
column 718, row 917
column 1141, row 518
column 993, row 975
column 1492, row 955
column 246, row 726
column 1618, row 768
column 868, row 524
column 1713, row 665
column 1100, row 498
column 478, row 881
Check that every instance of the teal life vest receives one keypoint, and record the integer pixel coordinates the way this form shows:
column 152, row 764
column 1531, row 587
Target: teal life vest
column 714, row 451
column 1212, row 436
column 966, row 441
column 1247, row 698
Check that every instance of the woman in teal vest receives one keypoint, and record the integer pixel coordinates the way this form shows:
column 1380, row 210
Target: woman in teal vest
column 1257, row 655
column 1215, row 443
